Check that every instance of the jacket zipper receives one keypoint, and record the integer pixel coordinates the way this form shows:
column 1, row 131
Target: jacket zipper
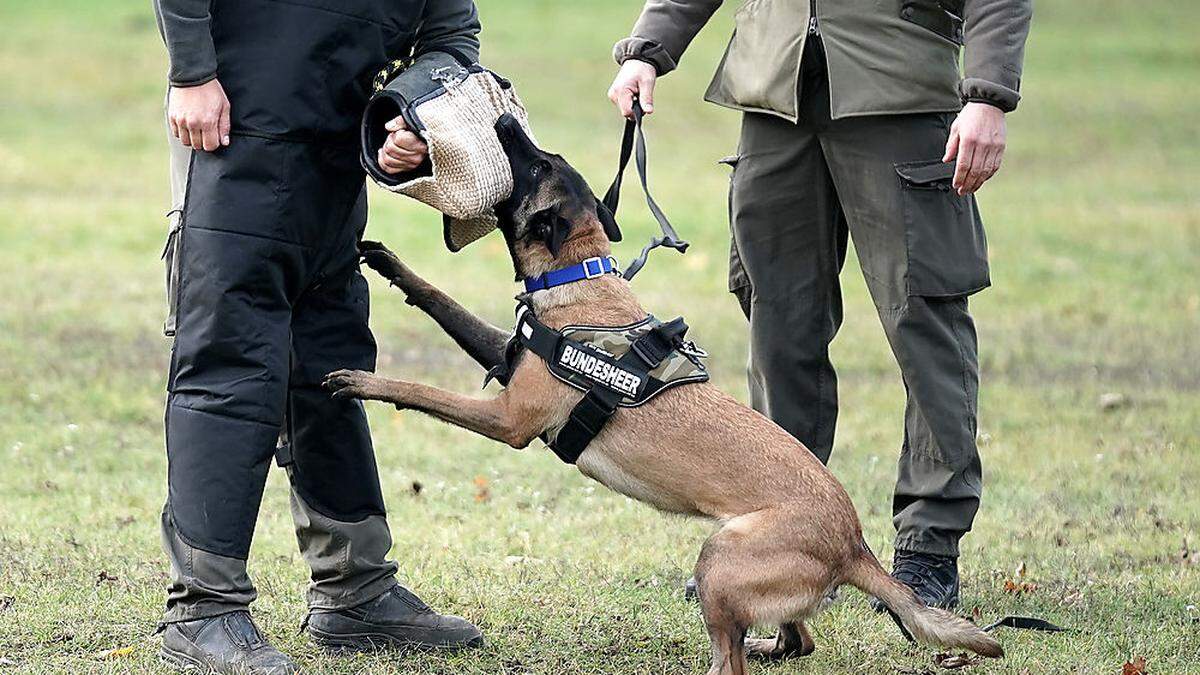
column 813, row 28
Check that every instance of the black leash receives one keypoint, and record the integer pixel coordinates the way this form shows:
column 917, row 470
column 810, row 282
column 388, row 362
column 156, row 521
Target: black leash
column 635, row 139
column 1025, row 623
column 1019, row 622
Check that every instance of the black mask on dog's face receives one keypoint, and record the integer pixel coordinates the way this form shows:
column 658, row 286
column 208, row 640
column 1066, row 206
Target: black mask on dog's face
column 548, row 195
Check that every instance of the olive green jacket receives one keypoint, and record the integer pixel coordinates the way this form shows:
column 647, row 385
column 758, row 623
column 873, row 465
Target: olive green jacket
column 885, row 56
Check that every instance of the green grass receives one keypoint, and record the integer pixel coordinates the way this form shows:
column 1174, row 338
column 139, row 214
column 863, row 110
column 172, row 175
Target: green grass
column 1095, row 232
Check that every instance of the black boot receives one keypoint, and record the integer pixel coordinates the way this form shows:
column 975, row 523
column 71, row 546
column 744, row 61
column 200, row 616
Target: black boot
column 398, row 618
column 934, row 578
column 229, row 643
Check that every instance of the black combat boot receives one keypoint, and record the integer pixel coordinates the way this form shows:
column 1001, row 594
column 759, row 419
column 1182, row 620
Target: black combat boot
column 934, row 578
column 398, row 618
column 229, row 643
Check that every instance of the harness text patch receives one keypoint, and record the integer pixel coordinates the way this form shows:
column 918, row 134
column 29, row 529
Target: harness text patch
column 599, row 371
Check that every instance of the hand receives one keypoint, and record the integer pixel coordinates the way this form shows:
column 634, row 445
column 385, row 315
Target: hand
column 403, row 150
column 977, row 139
column 636, row 78
column 199, row 115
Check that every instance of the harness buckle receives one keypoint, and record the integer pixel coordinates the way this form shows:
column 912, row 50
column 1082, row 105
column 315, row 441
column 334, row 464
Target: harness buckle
column 587, row 268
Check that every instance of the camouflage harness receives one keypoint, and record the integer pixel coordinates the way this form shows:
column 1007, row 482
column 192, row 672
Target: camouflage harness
column 617, row 367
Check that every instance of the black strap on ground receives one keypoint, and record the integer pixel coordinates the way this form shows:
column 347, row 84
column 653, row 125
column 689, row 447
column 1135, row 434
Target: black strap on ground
column 635, row 140
column 1020, row 622
column 1025, row 623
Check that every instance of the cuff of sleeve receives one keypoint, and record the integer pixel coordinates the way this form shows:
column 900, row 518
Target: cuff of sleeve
column 642, row 49
column 192, row 81
column 978, row 90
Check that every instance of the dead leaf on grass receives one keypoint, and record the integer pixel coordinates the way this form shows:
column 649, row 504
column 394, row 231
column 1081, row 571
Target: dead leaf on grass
column 1018, row 587
column 126, row 521
column 1135, row 667
column 482, row 492
column 416, row 488
column 6, row 662
column 104, row 576
column 948, row 661
column 6, row 602
column 118, row 653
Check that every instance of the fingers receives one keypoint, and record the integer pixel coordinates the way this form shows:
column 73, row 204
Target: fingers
column 402, row 151
column 185, row 136
column 951, row 145
column 622, row 96
column 224, row 126
column 977, row 162
column 210, row 136
column 985, row 161
column 199, row 116
column 646, row 92
column 963, row 169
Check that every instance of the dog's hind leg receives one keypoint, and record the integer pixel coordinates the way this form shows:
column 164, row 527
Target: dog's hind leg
column 754, row 571
column 793, row 640
column 479, row 339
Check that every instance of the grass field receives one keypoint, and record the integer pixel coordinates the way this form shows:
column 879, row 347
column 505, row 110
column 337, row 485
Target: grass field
column 1095, row 233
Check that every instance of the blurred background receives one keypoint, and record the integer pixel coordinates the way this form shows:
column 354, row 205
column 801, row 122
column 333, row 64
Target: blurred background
column 1090, row 401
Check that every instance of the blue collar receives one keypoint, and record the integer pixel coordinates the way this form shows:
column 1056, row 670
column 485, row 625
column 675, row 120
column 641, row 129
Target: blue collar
column 588, row 269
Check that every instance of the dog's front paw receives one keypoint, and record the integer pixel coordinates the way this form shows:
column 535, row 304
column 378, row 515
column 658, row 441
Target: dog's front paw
column 379, row 258
column 356, row 384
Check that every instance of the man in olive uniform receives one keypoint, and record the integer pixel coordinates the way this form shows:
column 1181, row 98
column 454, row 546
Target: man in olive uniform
column 264, row 108
column 858, row 122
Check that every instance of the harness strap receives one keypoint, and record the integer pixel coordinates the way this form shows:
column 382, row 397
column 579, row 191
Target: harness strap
column 635, row 139
column 589, row 416
column 593, row 411
column 587, row 419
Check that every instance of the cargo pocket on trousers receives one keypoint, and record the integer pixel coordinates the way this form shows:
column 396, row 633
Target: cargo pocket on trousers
column 739, row 281
column 947, row 247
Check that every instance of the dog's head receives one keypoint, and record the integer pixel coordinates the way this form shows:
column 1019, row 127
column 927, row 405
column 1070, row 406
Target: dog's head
column 551, row 219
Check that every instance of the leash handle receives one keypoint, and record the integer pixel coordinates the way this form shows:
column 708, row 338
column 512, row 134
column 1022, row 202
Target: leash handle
column 633, row 145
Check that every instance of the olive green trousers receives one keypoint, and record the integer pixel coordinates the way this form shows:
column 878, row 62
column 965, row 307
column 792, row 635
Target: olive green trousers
column 799, row 192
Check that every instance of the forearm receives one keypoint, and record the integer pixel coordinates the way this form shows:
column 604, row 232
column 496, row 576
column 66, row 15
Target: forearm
column 186, row 30
column 994, row 36
column 664, row 31
column 451, row 25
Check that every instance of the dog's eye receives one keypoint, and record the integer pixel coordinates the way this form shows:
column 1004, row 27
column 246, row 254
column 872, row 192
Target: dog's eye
column 539, row 168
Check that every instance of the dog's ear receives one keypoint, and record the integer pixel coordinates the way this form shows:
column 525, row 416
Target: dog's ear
column 609, row 221
column 550, row 228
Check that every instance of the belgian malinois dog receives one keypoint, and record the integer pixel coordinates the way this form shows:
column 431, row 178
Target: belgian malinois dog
column 789, row 535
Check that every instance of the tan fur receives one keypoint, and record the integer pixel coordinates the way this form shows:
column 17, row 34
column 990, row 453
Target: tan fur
column 789, row 534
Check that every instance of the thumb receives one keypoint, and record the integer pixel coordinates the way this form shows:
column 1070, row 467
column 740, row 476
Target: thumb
column 951, row 146
column 395, row 124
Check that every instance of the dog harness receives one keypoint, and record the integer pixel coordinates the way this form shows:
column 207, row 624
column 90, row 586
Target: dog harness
column 622, row 366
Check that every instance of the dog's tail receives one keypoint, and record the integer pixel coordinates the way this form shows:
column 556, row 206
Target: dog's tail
column 923, row 623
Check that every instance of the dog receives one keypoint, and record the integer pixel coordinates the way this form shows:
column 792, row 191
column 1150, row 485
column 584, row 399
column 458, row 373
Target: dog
column 788, row 533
